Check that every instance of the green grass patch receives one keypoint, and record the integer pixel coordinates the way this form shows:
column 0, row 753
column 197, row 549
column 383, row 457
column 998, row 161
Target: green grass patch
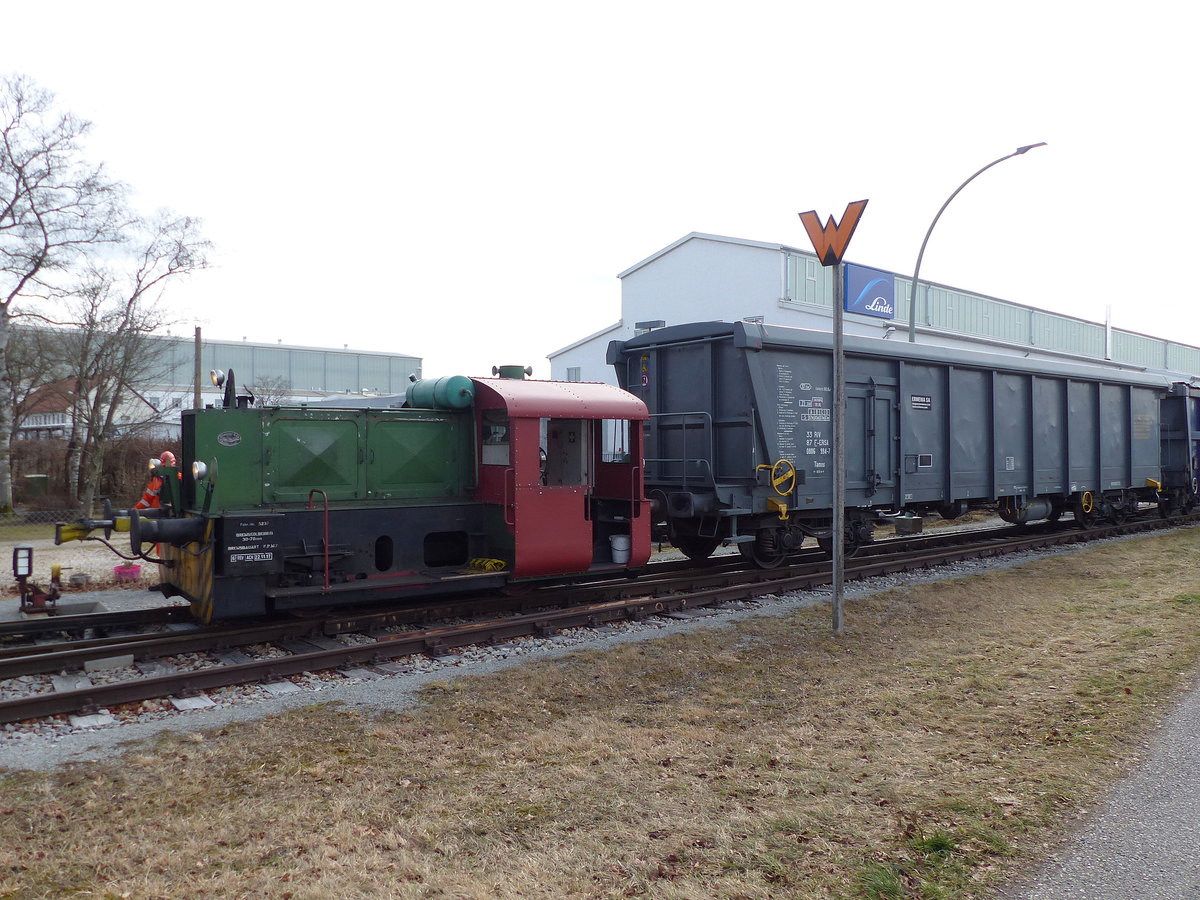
column 14, row 533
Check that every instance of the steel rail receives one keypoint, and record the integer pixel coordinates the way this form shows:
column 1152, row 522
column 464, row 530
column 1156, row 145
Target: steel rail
column 438, row 639
column 23, row 628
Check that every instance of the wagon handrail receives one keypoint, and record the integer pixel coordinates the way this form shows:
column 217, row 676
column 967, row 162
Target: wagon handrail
column 699, row 461
column 686, row 459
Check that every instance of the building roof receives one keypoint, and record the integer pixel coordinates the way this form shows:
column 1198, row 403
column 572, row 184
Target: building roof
column 591, row 337
column 278, row 345
column 696, row 235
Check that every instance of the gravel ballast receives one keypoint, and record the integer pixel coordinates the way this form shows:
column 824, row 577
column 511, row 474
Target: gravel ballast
column 52, row 743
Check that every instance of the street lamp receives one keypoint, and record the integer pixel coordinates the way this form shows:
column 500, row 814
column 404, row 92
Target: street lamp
column 912, row 299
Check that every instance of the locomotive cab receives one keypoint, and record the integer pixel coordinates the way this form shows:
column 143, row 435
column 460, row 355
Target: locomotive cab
column 560, row 473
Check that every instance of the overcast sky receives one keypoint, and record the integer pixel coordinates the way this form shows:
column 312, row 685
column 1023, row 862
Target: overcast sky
column 464, row 181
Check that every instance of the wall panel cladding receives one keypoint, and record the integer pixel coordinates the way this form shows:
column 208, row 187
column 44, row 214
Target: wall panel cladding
column 1066, row 335
column 1181, row 358
column 1139, row 349
column 962, row 313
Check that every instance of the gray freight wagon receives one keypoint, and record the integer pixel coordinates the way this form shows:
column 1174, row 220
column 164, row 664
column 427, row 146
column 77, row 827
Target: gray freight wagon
column 741, row 433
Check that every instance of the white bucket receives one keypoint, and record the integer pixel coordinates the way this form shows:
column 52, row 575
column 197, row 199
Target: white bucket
column 620, row 548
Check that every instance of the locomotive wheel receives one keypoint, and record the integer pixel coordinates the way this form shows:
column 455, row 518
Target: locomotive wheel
column 763, row 557
column 202, row 612
column 695, row 547
column 1085, row 510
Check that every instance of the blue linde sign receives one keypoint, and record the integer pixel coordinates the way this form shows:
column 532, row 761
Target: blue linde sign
column 870, row 292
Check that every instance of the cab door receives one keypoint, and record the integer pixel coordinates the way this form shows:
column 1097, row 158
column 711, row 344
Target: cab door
column 550, row 486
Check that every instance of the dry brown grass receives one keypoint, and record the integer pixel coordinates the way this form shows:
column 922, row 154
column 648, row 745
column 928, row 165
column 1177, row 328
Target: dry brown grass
column 949, row 735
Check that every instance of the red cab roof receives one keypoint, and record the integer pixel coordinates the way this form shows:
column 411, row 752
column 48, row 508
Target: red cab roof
column 557, row 399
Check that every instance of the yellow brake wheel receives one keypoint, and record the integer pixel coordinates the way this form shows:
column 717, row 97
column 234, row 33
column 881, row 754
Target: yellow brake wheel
column 783, row 477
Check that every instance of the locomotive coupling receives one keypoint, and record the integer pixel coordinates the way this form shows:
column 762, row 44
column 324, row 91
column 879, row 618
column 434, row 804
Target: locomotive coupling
column 81, row 529
column 177, row 532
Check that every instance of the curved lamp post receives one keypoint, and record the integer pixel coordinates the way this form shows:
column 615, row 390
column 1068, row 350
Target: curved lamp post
column 912, row 300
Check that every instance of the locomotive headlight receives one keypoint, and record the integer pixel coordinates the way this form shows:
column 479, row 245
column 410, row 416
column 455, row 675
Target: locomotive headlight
column 218, row 377
column 199, row 471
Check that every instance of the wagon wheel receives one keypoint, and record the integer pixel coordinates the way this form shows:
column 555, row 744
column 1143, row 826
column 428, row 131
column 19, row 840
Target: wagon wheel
column 764, row 557
column 1116, row 508
column 851, row 545
column 1085, row 510
column 694, row 547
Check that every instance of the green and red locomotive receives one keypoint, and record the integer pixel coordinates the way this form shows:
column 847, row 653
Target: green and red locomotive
column 473, row 483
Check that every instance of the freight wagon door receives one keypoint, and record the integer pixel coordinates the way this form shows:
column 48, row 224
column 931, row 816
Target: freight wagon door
column 871, row 433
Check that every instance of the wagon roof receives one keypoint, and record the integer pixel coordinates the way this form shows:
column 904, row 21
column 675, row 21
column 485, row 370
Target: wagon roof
column 754, row 336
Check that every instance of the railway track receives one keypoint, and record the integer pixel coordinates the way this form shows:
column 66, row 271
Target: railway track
column 371, row 639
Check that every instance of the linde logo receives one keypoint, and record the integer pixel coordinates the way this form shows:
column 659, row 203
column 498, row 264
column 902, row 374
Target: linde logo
column 870, row 292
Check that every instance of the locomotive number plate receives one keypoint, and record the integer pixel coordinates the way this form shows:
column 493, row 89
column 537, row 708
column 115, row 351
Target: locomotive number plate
column 250, row 544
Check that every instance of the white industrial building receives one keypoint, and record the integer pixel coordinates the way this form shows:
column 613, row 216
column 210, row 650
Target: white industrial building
column 301, row 374
column 705, row 277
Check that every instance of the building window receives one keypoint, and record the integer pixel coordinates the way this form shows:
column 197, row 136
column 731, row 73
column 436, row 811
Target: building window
column 573, row 373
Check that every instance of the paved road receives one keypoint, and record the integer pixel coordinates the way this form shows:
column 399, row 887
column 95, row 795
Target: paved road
column 1144, row 842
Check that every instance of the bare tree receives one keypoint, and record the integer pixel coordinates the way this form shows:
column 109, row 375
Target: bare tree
column 73, row 254
column 54, row 208
column 116, row 311
column 270, row 391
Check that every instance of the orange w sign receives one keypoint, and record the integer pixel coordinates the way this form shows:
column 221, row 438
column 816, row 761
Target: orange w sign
column 831, row 241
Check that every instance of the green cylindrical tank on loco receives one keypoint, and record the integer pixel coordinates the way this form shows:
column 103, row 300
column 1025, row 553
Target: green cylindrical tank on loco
column 449, row 392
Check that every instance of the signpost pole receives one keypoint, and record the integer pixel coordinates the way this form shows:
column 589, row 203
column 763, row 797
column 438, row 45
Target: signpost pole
column 830, row 242
column 839, row 448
